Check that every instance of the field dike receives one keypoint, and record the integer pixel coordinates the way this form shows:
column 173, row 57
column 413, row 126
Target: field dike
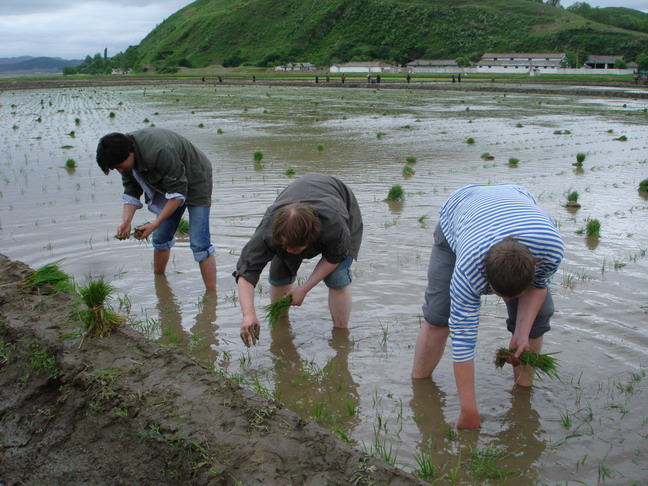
column 123, row 410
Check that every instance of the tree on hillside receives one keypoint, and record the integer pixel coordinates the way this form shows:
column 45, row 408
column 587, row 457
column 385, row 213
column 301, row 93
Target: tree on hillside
column 642, row 61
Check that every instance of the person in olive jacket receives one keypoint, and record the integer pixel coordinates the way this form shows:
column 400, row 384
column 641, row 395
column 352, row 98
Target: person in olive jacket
column 174, row 176
column 315, row 215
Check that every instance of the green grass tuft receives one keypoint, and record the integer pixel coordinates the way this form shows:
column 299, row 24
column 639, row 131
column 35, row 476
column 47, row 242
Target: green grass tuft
column 277, row 308
column 396, row 193
column 643, row 185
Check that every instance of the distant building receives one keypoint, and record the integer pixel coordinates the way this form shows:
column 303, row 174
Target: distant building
column 531, row 63
column 297, row 66
column 119, row 72
column 603, row 62
column 433, row 66
column 364, row 67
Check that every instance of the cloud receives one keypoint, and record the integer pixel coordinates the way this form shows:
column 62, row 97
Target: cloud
column 73, row 30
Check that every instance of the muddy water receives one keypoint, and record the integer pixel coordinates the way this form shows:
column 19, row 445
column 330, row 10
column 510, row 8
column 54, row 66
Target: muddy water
column 593, row 427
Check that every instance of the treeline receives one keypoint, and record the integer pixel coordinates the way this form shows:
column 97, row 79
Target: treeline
column 102, row 64
column 615, row 16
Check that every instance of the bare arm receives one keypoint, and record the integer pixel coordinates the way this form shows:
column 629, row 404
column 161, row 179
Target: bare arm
column 529, row 304
column 168, row 209
column 322, row 270
column 465, row 379
column 250, row 327
column 124, row 229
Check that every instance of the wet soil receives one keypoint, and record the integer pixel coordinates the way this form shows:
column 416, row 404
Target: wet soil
column 125, row 410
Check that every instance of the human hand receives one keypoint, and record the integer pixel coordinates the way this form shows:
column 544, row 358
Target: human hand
column 144, row 231
column 298, row 295
column 123, row 231
column 250, row 332
column 469, row 420
column 520, row 343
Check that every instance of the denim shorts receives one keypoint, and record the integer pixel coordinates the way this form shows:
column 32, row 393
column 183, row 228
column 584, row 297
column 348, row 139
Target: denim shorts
column 336, row 280
column 436, row 309
column 199, row 236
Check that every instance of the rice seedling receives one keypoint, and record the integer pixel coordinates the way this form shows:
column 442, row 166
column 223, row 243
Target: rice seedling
column 470, row 141
column 183, row 227
column 408, row 171
column 396, row 193
column 70, row 164
column 77, row 121
column 518, row 125
column 98, row 319
column 320, row 147
column 112, row 114
column 593, row 227
column 257, row 156
column 580, row 158
column 643, row 185
column 47, row 280
column 277, row 308
column 219, row 131
column 72, row 134
column 146, row 120
column 483, row 466
column 380, row 135
column 487, row 156
column 622, row 138
column 425, row 469
column 410, row 160
column 572, row 200
column 201, row 125
column 290, row 172
column 545, row 364
column 422, row 219
column 513, row 162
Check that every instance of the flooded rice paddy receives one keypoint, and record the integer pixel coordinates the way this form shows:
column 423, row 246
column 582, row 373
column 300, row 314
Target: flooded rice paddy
column 591, row 428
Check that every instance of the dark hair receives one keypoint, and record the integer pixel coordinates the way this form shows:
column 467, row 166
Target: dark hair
column 510, row 267
column 296, row 224
column 112, row 150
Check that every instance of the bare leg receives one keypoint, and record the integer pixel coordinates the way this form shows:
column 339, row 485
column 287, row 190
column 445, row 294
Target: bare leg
column 277, row 292
column 430, row 344
column 160, row 260
column 340, row 303
column 524, row 374
column 208, row 272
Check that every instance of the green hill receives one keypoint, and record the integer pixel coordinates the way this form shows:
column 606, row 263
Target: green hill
column 259, row 32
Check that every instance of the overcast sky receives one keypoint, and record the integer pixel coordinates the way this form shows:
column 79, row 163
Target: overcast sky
column 72, row 29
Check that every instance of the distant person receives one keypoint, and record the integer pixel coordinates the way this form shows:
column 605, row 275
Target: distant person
column 174, row 176
column 327, row 78
column 408, row 78
column 220, row 80
column 378, row 78
column 369, row 78
column 254, row 79
column 203, row 79
column 343, row 78
column 453, row 79
column 316, row 78
column 490, row 239
column 459, row 77
column 315, row 215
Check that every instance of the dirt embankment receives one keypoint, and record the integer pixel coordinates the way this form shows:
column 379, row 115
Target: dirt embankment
column 123, row 410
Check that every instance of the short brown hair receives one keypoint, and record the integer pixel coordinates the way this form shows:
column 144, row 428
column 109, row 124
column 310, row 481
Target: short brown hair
column 510, row 267
column 296, row 224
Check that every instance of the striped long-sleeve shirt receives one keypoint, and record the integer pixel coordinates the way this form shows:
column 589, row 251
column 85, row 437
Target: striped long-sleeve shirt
column 473, row 219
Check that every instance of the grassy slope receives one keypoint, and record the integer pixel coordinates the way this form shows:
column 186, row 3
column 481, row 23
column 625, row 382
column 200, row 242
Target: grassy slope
column 208, row 31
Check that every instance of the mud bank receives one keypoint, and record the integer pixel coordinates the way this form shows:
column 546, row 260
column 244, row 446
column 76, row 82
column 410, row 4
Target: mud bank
column 124, row 410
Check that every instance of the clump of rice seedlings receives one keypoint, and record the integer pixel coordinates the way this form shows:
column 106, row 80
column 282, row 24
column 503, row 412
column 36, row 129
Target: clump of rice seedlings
column 396, row 193
column 219, row 131
column 72, row 134
column 562, row 132
column 257, row 156
column 290, row 172
column 15, row 127
column 67, row 147
column 410, row 160
column 111, row 114
column 146, row 120
column 593, row 227
column 77, row 121
column 487, row 156
column 513, row 162
column 518, row 125
column 201, row 125
column 70, row 164
column 408, row 170
column 580, row 158
column 183, row 227
column 572, row 200
column 470, row 141
column 277, row 308
column 422, row 219
column 622, row 138
column 545, row 364
column 47, row 280
column 320, row 147
column 380, row 135
column 643, row 185
column 98, row 319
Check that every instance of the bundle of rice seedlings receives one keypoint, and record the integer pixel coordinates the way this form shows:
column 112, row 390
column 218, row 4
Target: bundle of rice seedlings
column 545, row 364
column 396, row 193
column 98, row 319
column 277, row 308
column 47, row 280
column 183, row 227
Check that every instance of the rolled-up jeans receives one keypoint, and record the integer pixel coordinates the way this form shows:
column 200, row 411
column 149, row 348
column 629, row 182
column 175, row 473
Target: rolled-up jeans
column 199, row 236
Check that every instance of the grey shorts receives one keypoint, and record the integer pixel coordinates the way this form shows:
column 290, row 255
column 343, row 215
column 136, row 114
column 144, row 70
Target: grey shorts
column 436, row 309
column 284, row 272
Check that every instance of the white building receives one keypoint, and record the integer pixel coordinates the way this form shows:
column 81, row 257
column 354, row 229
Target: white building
column 521, row 63
column 364, row 67
column 297, row 67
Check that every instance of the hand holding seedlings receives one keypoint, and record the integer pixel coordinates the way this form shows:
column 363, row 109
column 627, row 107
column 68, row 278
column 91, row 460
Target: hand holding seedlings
column 123, row 231
column 250, row 334
column 276, row 309
column 545, row 364
column 144, row 231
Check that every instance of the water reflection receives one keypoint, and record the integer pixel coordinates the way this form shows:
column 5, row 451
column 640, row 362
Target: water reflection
column 201, row 342
column 326, row 394
column 427, row 405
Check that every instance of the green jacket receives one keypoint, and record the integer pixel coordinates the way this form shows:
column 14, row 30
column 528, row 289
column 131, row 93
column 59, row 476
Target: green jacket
column 170, row 164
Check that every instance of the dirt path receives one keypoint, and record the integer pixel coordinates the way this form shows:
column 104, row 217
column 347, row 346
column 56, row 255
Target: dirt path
column 123, row 410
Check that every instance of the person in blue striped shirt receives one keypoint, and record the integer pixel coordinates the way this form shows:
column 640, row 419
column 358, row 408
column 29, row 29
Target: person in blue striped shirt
column 490, row 239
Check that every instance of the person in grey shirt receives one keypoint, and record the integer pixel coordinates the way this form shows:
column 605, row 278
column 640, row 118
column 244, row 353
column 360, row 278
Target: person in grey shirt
column 315, row 215
column 174, row 176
